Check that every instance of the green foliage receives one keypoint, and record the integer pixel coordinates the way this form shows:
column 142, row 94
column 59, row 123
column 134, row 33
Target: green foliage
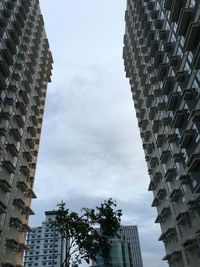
column 89, row 233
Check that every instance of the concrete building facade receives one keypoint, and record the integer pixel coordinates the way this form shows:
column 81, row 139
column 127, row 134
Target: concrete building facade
column 25, row 70
column 46, row 245
column 162, row 60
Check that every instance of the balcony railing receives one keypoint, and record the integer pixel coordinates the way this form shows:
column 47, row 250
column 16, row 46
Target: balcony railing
column 5, row 185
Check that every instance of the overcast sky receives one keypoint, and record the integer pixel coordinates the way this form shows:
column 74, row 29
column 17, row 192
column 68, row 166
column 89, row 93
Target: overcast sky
column 90, row 148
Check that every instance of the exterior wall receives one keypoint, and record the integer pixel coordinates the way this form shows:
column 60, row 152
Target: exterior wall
column 131, row 236
column 46, row 245
column 25, row 70
column 162, row 60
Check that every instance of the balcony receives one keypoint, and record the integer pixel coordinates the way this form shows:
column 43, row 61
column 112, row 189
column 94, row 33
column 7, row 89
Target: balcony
column 35, row 109
column 158, row 59
column 20, row 19
column 153, row 162
column 13, row 150
column 30, row 193
column 27, row 210
column 175, row 194
column 170, row 233
column 12, row 243
column 11, row 45
column 158, row 219
column 157, row 177
column 27, row 156
column 15, row 36
column 151, row 186
column 173, row 99
column 157, row 92
column 182, row 218
column 195, row 114
column 178, row 156
column 173, row 61
column 14, row 221
column 26, row 228
column 175, row 256
column 8, row 165
column 183, row 21
column 24, row 96
column 180, row 75
column 166, row 120
column 194, row 162
column 2, row 81
column 150, row 148
column 180, row 115
column 3, row 21
column 189, row 93
column 4, row 68
column 162, row 72
column 168, row 84
column 156, row 126
column 32, row 131
column 170, row 174
column 189, row 244
column 27, row 86
column 29, row 142
column 9, row 101
column 175, row 11
column 168, row 47
column 162, row 237
column 158, row 24
column 8, row 56
column 19, row 203
column 168, row 4
column 184, row 178
column 2, row 208
column 16, row 133
column 2, row 131
column 165, row 156
column 22, row 185
column 161, row 193
column 159, row 140
column 192, row 35
column 152, row 112
column 25, row 170
column 144, row 124
column 22, row 247
column 154, row 47
column 155, row 202
column 149, row 100
column 21, row 107
column 163, row 34
column 5, row 185
column 185, row 138
column 150, row 5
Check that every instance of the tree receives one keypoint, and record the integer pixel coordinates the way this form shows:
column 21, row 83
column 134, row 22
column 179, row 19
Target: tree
column 87, row 234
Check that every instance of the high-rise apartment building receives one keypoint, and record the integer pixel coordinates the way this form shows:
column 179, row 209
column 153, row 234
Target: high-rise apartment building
column 162, row 60
column 125, row 249
column 119, row 254
column 25, row 70
column 46, row 245
column 131, row 236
